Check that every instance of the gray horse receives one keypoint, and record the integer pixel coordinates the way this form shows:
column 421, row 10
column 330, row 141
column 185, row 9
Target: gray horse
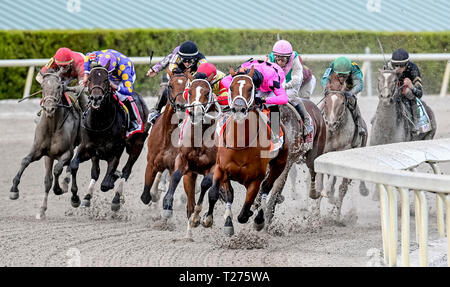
column 391, row 122
column 342, row 134
column 56, row 136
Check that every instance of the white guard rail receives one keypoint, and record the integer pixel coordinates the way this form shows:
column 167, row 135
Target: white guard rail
column 365, row 58
column 391, row 168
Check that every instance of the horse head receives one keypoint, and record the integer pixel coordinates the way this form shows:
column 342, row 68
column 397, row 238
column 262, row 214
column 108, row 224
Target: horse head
column 388, row 86
column 98, row 85
column 241, row 92
column 334, row 103
column 52, row 90
column 178, row 83
column 201, row 100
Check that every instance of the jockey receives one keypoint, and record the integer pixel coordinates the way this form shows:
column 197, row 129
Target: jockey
column 298, row 80
column 269, row 81
column 184, row 57
column 121, row 78
column 213, row 76
column 409, row 76
column 73, row 69
column 349, row 72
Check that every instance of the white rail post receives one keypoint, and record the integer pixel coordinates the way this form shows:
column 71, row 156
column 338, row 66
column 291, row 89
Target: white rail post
column 368, row 74
column 404, row 193
column 26, row 91
column 384, row 221
column 445, row 80
column 439, row 205
column 423, row 227
column 393, row 225
column 447, row 204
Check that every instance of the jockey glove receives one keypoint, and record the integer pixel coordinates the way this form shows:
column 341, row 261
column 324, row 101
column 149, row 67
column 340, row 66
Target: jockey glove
column 259, row 101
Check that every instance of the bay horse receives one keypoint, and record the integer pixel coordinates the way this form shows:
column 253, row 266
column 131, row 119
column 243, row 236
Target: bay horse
column 163, row 140
column 103, row 137
column 55, row 137
column 197, row 151
column 392, row 122
column 297, row 154
column 342, row 134
column 244, row 154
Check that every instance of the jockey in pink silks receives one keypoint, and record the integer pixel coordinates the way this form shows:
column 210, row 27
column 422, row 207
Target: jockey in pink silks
column 269, row 84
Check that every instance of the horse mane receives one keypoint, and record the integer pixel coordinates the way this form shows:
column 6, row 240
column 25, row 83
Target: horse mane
column 334, row 84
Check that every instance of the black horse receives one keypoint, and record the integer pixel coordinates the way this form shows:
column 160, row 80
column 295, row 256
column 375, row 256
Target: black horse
column 103, row 137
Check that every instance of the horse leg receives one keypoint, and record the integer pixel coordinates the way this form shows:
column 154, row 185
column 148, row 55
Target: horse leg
column 252, row 191
column 110, row 177
column 363, row 190
column 329, row 190
column 174, row 181
column 293, row 177
column 189, row 180
column 95, row 173
column 48, row 185
column 81, row 156
column 342, row 191
column 64, row 160
column 228, row 215
column 276, row 197
column 155, row 191
column 313, row 194
column 34, row 155
column 150, row 173
column 213, row 196
column 204, row 186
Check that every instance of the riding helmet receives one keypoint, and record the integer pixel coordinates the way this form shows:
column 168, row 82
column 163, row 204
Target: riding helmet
column 282, row 48
column 108, row 57
column 63, row 57
column 400, row 56
column 342, row 65
column 188, row 50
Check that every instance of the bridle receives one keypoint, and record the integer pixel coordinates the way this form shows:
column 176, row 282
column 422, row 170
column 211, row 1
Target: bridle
column 196, row 104
column 341, row 117
column 172, row 100
column 232, row 101
column 105, row 89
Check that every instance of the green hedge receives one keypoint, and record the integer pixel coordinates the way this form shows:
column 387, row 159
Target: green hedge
column 137, row 42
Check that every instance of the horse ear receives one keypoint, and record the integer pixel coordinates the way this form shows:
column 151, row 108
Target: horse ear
column 252, row 72
column 232, row 72
column 170, row 73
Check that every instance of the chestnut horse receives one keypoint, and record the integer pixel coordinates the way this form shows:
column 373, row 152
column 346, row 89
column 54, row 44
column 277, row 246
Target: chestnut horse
column 342, row 134
column 244, row 154
column 197, row 152
column 162, row 142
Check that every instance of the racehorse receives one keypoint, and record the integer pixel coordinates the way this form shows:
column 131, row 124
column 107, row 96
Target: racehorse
column 244, row 154
column 342, row 134
column 297, row 154
column 392, row 122
column 103, row 137
column 197, row 152
column 56, row 136
column 163, row 140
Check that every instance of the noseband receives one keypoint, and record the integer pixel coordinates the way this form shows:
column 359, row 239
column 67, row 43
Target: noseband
column 241, row 83
column 106, row 89
column 171, row 99
column 341, row 116
column 209, row 103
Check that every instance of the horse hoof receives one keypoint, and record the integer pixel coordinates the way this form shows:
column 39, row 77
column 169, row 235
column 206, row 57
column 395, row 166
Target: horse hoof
column 86, row 203
column 314, row 195
column 58, row 191
column 228, row 228
column 207, row 221
column 323, row 193
column 280, row 199
column 244, row 218
column 258, row 227
column 75, row 202
column 155, row 197
column 146, row 197
column 166, row 213
column 13, row 195
column 40, row 216
column 115, row 207
column 364, row 191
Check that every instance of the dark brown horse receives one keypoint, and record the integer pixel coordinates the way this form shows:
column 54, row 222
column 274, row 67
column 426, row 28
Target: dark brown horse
column 55, row 138
column 103, row 137
column 197, row 151
column 163, row 140
column 244, row 154
column 342, row 134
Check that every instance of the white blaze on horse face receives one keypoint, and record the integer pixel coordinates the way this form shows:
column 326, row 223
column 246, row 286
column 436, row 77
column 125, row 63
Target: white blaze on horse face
column 241, row 86
column 333, row 106
column 386, row 83
column 180, row 81
column 198, row 94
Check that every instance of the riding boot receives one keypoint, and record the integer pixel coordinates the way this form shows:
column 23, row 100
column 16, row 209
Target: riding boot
column 300, row 107
column 356, row 115
column 133, row 124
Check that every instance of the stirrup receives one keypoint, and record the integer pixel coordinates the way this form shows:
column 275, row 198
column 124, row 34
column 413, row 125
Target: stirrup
column 152, row 117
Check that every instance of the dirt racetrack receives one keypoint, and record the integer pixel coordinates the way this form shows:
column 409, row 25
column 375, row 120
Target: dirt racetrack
column 136, row 236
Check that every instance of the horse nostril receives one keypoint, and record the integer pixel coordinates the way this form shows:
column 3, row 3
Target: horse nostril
column 243, row 110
